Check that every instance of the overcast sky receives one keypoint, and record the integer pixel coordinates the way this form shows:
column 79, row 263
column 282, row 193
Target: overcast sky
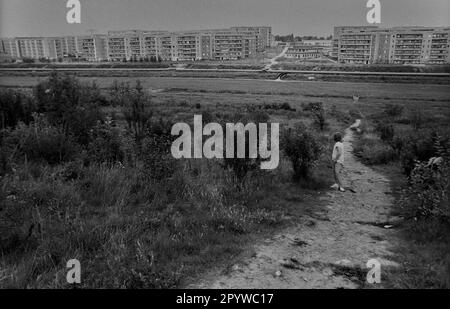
column 301, row 17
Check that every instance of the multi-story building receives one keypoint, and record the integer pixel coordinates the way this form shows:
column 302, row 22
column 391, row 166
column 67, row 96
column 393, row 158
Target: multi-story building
column 402, row 45
column 187, row 46
column 33, row 48
column 263, row 35
column 91, row 47
column 303, row 51
column 62, row 47
column 10, row 48
column 231, row 45
column 221, row 44
column 439, row 47
column 151, row 44
column 124, row 45
column 420, row 45
column 342, row 29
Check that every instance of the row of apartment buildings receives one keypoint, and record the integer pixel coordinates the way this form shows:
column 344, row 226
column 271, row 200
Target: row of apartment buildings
column 309, row 49
column 221, row 44
column 400, row 45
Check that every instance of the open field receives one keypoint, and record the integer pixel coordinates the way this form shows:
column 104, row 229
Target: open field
column 137, row 232
column 261, row 91
column 321, row 89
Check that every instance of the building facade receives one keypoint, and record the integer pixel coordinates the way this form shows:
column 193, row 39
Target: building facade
column 135, row 45
column 263, row 35
column 10, row 48
column 401, row 45
column 304, row 52
column 91, row 47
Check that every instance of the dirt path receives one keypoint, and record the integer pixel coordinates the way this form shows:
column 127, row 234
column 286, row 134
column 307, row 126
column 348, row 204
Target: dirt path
column 329, row 249
column 274, row 60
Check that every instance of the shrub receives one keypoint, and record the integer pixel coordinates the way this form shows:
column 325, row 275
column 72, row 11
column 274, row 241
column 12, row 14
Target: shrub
column 319, row 115
column 374, row 152
column 136, row 108
column 355, row 114
column 40, row 141
column 68, row 104
column 15, row 107
column 428, row 193
column 302, row 148
column 284, row 106
column 241, row 167
column 414, row 146
column 386, row 131
column 118, row 92
column 393, row 110
column 159, row 163
column 318, row 111
column 106, row 144
column 33, row 212
column 416, row 118
column 340, row 115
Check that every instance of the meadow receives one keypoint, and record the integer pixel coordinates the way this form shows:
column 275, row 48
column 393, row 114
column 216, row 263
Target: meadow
column 111, row 196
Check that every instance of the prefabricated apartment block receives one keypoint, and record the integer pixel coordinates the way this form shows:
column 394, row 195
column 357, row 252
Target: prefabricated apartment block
column 401, row 45
column 223, row 44
column 304, row 51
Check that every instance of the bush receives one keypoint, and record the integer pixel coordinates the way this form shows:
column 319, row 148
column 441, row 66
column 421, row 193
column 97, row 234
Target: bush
column 318, row 111
column 159, row 163
column 69, row 105
column 416, row 118
column 340, row 115
column 15, row 107
column 302, row 148
column 374, row 152
column 33, row 212
column 106, row 144
column 414, row 146
column 386, row 131
column 40, row 141
column 136, row 108
column 428, row 192
column 393, row 111
column 319, row 116
column 284, row 106
column 241, row 167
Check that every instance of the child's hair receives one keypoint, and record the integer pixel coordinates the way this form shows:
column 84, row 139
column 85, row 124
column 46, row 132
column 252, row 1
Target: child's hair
column 338, row 137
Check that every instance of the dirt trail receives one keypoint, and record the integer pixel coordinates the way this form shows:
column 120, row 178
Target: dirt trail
column 274, row 60
column 329, row 249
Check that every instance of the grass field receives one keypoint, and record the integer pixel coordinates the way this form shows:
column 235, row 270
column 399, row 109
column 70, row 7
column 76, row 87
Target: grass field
column 175, row 227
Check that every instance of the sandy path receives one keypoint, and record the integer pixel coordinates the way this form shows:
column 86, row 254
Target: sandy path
column 327, row 250
column 274, row 60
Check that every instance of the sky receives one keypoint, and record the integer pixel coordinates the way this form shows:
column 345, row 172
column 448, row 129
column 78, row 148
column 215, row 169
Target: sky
column 300, row 17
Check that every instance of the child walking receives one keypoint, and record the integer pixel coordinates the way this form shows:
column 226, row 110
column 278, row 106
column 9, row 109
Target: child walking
column 338, row 162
